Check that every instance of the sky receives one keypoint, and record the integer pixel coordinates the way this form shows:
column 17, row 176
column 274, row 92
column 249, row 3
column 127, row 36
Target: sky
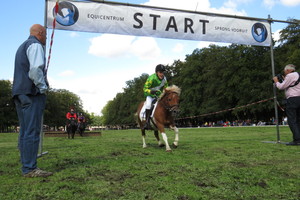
column 96, row 66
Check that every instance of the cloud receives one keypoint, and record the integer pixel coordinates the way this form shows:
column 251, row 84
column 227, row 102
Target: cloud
column 87, row 90
column 178, row 48
column 192, row 5
column 66, row 73
column 269, row 3
column 204, row 44
column 145, row 48
column 74, row 34
column 290, row 2
column 110, row 45
column 93, row 96
column 229, row 7
column 276, row 35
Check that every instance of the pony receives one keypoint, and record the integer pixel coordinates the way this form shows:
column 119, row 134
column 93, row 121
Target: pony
column 165, row 109
column 81, row 128
column 71, row 128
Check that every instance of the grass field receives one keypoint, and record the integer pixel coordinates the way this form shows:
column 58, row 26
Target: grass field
column 210, row 163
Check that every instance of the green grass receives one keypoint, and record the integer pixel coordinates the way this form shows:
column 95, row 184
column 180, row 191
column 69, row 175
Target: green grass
column 210, row 163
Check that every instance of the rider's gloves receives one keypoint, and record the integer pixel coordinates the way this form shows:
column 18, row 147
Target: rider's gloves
column 153, row 91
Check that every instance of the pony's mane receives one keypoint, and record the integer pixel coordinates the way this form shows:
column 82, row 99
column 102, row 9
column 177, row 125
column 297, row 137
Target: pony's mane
column 172, row 88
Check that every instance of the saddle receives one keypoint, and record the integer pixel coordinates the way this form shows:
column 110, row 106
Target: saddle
column 152, row 106
column 152, row 109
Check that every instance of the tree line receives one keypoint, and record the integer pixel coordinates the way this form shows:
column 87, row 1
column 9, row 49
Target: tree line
column 212, row 79
column 58, row 103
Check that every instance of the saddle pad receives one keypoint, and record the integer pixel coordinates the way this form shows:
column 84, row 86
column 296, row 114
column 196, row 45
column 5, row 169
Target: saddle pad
column 142, row 115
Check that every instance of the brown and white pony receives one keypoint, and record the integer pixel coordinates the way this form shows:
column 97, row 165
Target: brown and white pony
column 167, row 107
column 71, row 127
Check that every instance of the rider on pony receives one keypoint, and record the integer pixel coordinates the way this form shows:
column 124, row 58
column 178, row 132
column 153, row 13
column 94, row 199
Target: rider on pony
column 71, row 115
column 81, row 124
column 153, row 88
column 81, row 118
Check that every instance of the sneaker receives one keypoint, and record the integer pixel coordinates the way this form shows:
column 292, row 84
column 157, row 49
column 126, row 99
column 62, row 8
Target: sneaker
column 295, row 142
column 37, row 173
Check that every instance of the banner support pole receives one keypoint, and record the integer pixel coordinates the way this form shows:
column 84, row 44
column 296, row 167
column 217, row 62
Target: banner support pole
column 40, row 152
column 274, row 87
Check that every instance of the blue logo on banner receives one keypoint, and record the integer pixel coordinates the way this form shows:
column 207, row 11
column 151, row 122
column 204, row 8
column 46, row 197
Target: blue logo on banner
column 67, row 14
column 259, row 32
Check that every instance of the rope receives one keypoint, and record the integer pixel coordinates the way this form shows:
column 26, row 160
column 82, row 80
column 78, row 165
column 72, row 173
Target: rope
column 281, row 108
column 230, row 109
column 52, row 36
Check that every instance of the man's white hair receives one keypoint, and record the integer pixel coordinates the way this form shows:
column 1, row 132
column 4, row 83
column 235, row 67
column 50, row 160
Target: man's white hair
column 290, row 66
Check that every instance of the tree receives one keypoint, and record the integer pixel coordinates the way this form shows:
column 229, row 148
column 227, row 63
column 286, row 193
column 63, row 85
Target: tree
column 288, row 50
column 59, row 102
column 96, row 120
column 8, row 115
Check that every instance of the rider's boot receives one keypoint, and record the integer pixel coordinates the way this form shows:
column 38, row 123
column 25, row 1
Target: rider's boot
column 147, row 124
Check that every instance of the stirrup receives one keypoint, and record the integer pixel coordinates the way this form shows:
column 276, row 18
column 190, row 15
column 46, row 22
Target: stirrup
column 147, row 126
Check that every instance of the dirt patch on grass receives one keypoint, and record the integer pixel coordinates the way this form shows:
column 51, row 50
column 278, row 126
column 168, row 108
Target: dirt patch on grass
column 202, row 184
column 65, row 134
column 183, row 197
column 262, row 184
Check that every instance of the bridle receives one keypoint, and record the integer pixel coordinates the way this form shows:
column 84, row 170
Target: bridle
column 168, row 107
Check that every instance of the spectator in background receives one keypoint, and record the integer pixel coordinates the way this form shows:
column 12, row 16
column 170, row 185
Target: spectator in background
column 290, row 84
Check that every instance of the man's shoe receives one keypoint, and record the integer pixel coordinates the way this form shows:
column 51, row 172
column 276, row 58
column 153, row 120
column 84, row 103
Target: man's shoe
column 37, row 173
column 295, row 142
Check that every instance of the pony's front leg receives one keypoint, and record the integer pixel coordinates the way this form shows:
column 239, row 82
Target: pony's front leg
column 165, row 138
column 160, row 144
column 144, row 141
column 68, row 131
column 143, row 138
column 175, row 143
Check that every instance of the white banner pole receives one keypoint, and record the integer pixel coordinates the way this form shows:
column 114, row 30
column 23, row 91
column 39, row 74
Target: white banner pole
column 274, row 87
column 40, row 151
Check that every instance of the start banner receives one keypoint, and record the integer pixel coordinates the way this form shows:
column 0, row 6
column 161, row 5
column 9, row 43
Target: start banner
column 153, row 22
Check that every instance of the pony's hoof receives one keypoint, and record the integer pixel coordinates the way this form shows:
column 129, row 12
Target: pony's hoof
column 161, row 145
column 169, row 150
column 175, row 146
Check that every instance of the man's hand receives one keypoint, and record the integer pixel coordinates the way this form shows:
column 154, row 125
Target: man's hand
column 275, row 79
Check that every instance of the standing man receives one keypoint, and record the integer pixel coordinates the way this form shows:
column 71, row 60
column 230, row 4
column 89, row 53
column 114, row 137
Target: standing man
column 153, row 88
column 29, row 88
column 292, row 92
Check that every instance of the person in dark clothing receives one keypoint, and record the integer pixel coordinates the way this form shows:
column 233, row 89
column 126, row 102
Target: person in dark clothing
column 29, row 94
